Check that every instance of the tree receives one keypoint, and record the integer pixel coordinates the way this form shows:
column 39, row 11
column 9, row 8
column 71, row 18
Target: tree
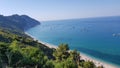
column 66, row 64
column 75, row 56
column 14, row 46
column 13, row 54
column 59, row 65
column 70, row 64
column 9, row 57
column 89, row 64
column 3, row 49
column 63, row 47
column 61, row 52
column 33, row 57
column 49, row 64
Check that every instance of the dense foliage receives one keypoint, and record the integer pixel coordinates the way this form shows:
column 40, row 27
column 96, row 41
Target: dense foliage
column 18, row 51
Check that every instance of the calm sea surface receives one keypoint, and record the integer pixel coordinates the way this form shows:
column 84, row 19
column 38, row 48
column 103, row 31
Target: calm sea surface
column 99, row 38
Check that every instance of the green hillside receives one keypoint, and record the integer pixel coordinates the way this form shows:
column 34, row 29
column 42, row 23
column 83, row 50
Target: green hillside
column 17, row 23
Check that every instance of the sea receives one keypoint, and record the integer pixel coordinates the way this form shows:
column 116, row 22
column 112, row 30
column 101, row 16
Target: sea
column 97, row 37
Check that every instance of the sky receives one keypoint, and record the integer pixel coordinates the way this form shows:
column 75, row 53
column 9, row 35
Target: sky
column 44, row 10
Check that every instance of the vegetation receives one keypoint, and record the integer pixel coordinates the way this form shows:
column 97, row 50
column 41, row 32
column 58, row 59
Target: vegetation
column 17, row 22
column 88, row 64
column 24, row 52
column 18, row 50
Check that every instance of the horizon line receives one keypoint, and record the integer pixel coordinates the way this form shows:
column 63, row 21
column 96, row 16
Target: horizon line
column 81, row 18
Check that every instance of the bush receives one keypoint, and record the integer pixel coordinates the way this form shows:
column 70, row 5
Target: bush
column 49, row 64
column 88, row 64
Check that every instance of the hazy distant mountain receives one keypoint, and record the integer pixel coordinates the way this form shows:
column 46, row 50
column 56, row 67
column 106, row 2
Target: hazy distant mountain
column 17, row 22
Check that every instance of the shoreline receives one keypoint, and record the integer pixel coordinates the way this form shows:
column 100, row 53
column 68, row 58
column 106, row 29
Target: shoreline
column 97, row 62
column 83, row 56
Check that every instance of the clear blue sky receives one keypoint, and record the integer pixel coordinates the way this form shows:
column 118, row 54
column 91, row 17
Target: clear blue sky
column 60, row 9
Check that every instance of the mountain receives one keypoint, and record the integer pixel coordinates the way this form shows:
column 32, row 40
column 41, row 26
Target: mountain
column 17, row 22
column 22, row 48
column 13, row 28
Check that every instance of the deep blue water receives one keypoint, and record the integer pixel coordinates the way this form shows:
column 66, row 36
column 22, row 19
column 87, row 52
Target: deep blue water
column 91, row 36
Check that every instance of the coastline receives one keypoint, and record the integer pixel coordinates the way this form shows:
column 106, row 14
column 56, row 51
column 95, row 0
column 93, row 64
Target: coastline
column 46, row 44
column 97, row 62
column 83, row 55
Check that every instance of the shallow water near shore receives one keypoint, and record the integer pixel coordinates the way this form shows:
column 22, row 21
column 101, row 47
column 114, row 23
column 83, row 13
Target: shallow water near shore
column 97, row 38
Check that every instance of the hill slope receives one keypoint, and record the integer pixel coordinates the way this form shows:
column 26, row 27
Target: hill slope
column 17, row 23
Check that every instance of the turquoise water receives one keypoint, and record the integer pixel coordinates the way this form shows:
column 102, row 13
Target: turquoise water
column 96, row 37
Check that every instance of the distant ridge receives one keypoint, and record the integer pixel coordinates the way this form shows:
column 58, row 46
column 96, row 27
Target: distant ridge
column 17, row 22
